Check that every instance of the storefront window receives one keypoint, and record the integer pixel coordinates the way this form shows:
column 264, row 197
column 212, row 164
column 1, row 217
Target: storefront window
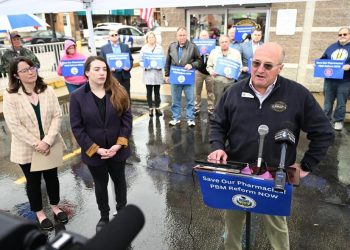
column 213, row 23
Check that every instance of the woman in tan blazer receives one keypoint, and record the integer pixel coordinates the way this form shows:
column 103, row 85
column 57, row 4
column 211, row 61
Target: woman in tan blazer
column 32, row 113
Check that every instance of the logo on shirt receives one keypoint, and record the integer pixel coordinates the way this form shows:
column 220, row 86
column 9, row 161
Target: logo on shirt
column 243, row 201
column 279, row 106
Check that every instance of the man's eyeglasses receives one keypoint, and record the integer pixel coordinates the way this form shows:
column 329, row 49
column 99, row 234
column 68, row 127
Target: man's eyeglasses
column 343, row 34
column 267, row 66
column 114, row 35
column 26, row 70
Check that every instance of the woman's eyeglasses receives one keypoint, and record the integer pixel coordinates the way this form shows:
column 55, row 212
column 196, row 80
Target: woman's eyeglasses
column 267, row 66
column 26, row 70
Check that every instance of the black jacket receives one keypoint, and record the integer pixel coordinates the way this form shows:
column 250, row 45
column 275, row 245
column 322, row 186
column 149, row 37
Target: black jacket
column 190, row 55
column 238, row 115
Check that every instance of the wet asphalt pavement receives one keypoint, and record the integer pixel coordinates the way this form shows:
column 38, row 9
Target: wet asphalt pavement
column 160, row 182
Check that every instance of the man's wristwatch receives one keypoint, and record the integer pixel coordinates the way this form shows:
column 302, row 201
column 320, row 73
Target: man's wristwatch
column 305, row 167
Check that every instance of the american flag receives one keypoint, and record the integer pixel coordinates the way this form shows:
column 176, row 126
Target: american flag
column 147, row 15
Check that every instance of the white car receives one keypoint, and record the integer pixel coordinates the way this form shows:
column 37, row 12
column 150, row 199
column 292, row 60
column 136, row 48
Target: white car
column 129, row 35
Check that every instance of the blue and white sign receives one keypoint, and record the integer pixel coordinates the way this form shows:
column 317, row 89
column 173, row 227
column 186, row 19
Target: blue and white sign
column 153, row 61
column 242, row 32
column 179, row 75
column 118, row 61
column 73, row 67
column 227, row 67
column 325, row 68
column 247, row 193
column 250, row 60
column 205, row 46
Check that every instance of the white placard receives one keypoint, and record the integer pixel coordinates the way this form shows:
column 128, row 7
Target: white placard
column 286, row 22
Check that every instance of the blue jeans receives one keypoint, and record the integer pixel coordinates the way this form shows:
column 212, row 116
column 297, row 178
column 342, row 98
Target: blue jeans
column 336, row 90
column 72, row 87
column 176, row 92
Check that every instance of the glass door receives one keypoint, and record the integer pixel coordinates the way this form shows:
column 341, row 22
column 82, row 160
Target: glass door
column 212, row 20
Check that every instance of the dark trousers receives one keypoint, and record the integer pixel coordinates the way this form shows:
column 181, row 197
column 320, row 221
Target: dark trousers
column 150, row 89
column 33, row 186
column 100, row 175
column 126, row 84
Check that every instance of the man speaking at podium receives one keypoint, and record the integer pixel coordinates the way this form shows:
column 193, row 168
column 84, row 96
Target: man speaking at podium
column 267, row 98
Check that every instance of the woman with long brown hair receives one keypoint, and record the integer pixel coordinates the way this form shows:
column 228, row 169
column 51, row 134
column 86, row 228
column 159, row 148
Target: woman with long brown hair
column 33, row 115
column 101, row 122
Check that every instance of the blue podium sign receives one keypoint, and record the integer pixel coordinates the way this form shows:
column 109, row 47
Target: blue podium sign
column 73, row 67
column 179, row 75
column 243, row 192
column 118, row 61
column 227, row 67
column 205, row 46
column 242, row 32
column 325, row 68
column 153, row 61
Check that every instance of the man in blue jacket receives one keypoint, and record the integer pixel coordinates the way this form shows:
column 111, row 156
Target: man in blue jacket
column 338, row 89
column 270, row 99
column 114, row 46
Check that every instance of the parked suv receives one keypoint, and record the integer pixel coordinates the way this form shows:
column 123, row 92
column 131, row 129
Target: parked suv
column 127, row 34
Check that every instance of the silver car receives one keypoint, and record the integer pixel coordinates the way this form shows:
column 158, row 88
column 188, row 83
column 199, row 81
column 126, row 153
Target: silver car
column 129, row 35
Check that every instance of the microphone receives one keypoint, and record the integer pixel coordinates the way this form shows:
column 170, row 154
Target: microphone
column 120, row 232
column 263, row 130
column 284, row 137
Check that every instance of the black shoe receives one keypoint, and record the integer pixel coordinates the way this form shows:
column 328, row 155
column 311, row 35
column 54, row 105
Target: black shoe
column 196, row 112
column 158, row 112
column 101, row 223
column 46, row 224
column 61, row 217
column 150, row 112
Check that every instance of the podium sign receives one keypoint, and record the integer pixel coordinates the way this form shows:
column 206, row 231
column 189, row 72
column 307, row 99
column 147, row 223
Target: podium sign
column 179, row 75
column 325, row 68
column 118, row 61
column 73, row 67
column 243, row 192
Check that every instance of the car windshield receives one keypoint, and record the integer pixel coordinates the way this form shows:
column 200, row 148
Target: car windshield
column 101, row 32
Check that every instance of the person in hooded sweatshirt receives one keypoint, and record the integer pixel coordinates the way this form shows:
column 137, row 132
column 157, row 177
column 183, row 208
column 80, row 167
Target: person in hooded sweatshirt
column 72, row 82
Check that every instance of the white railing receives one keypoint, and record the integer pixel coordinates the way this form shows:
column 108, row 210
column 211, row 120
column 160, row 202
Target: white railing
column 48, row 54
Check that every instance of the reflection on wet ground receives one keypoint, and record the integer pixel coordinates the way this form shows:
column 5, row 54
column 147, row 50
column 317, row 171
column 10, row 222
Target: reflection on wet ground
column 161, row 182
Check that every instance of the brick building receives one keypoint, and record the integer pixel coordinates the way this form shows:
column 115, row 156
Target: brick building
column 315, row 27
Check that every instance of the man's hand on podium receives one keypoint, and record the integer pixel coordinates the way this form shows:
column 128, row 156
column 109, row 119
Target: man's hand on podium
column 217, row 156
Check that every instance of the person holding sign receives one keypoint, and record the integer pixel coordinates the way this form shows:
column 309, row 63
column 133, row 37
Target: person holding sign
column 224, row 52
column 33, row 115
column 247, row 51
column 73, row 63
column 115, row 48
column 270, row 99
column 152, row 60
column 182, row 59
column 101, row 122
column 338, row 89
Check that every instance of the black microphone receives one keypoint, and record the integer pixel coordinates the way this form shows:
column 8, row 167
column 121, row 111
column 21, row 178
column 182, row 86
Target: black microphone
column 120, row 232
column 284, row 137
column 263, row 130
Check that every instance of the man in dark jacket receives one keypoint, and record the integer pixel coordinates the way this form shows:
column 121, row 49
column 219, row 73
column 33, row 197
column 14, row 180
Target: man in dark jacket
column 114, row 46
column 267, row 98
column 17, row 50
column 202, row 75
column 338, row 89
column 185, row 54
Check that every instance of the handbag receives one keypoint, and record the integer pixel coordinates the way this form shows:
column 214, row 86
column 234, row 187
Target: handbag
column 54, row 159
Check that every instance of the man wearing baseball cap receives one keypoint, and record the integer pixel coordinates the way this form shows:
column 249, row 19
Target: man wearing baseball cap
column 16, row 50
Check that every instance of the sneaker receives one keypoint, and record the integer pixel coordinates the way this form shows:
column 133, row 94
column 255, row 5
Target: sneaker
column 174, row 122
column 191, row 123
column 338, row 126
